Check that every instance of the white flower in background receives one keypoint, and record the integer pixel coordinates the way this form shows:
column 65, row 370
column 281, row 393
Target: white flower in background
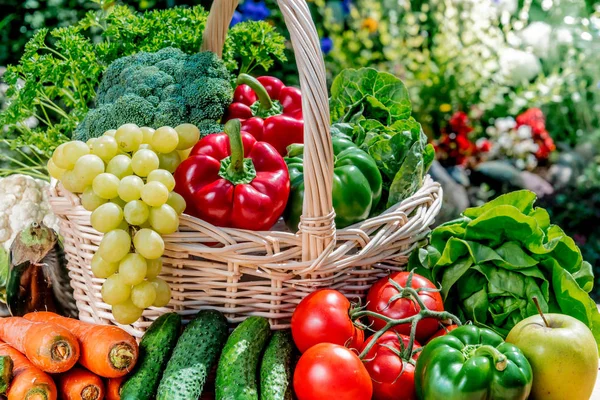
column 509, row 6
column 564, row 36
column 537, row 36
column 511, row 143
column 518, row 66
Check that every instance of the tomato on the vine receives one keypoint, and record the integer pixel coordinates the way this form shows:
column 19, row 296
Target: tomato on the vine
column 393, row 378
column 378, row 300
column 323, row 317
column 330, row 371
column 443, row 332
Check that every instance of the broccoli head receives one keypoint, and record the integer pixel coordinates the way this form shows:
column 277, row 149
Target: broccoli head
column 168, row 87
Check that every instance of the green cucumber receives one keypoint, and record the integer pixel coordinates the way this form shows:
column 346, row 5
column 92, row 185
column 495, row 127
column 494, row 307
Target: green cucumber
column 276, row 368
column 194, row 356
column 155, row 349
column 237, row 370
column 6, row 373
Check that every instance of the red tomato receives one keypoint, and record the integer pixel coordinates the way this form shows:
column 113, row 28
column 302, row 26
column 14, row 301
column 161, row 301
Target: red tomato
column 442, row 332
column 393, row 378
column 378, row 300
column 330, row 371
column 323, row 317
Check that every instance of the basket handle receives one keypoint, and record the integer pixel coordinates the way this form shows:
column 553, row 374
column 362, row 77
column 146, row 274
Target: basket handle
column 317, row 224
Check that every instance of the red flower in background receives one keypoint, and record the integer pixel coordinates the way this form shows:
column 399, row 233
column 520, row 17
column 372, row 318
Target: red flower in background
column 455, row 147
column 534, row 118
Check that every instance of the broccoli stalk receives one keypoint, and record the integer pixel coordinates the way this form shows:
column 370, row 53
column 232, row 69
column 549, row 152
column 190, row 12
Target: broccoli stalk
column 168, row 87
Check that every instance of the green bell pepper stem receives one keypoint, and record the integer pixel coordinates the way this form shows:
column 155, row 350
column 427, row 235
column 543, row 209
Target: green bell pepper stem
column 500, row 360
column 263, row 97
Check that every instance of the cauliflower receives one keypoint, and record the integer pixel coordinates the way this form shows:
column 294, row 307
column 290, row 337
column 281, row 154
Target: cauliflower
column 23, row 200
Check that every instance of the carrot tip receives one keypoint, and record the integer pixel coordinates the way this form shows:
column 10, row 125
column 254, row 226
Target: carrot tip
column 121, row 356
column 90, row 392
column 61, row 350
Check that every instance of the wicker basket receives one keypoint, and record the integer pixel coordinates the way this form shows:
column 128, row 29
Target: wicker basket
column 263, row 273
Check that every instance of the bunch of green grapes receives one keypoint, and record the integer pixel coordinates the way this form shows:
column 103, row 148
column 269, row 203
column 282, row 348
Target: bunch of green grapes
column 125, row 179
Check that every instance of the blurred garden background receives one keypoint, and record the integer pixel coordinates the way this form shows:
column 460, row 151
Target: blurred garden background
column 507, row 90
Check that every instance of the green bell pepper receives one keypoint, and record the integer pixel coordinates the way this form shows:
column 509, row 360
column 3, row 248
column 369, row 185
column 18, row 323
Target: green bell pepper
column 471, row 363
column 357, row 184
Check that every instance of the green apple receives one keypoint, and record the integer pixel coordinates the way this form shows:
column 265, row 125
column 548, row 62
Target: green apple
column 563, row 355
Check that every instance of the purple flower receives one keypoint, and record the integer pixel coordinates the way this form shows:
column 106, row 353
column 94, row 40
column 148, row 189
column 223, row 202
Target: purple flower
column 346, row 4
column 254, row 10
column 326, row 45
column 236, row 19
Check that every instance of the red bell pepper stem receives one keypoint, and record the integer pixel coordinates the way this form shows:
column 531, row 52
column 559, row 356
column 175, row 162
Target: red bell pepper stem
column 235, row 168
column 266, row 106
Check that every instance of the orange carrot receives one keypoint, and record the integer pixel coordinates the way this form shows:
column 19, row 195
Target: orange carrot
column 80, row 384
column 29, row 382
column 113, row 388
column 49, row 347
column 107, row 351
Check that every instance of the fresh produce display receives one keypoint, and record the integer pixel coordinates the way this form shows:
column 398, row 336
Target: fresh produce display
column 124, row 178
column 107, row 351
column 6, row 373
column 276, row 367
column 194, row 356
column 80, row 384
column 357, row 184
column 563, row 355
column 236, row 373
column 50, row 347
column 233, row 180
column 269, row 111
column 155, row 349
column 474, row 363
column 492, row 262
column 28, row 381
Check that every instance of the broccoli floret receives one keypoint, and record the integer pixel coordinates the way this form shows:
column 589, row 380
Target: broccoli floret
column 168, row 87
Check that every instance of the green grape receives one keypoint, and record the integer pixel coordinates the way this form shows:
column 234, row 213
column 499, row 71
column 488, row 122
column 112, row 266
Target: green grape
column 148, row 133
column 155, row 194
column 120, row 166
column 149, row 244
column 102, row 268
column 143, row 295
column 106, row 185
column 126, row 313
column 73, row 151
column 124, row 226
column 106, row 148
column 90, row 143
column 169, row 161
column 189, row 135
column 154, row 268
column 115, row 245
column 107, row 217
column 73, row 183
column 110, row 132
column 177, row 202
column 88, row 167
column 132, row 269
column 136, row 212
column 163, row 176
column 129, row 137
column 118, row 201
column 130, row 187
column 54, row 170
column 164, row 219
column 163, row 292
column 114, row 290
column 58, row 157
column 90, row 201
column 165, row 139
column 143, row 162
column 144, row 146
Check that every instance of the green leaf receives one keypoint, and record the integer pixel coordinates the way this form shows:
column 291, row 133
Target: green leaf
column 409, row 177
column 522, row 200
column 513, row 256
column 4, row 267
column 373, row 94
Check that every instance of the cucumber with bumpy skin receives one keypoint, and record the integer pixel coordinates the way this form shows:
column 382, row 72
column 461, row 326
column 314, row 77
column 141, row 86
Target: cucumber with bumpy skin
column 155, row 349
column 276, row 368
column 6, row 373
column 195, row 354
column 237, row 370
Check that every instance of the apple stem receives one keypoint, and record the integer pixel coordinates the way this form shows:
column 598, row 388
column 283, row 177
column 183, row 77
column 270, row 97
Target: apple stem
column 537, row 305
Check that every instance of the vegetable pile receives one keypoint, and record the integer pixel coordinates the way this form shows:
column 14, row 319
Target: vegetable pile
column 492, row 262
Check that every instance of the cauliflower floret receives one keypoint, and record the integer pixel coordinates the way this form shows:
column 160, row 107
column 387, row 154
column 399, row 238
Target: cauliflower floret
column 23, row 200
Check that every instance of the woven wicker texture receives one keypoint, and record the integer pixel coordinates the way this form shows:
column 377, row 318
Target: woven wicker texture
column 243, row 273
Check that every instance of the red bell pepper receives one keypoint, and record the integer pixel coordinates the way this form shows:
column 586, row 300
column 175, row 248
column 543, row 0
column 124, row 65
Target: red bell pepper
column 269, row 110
column 222, row 186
